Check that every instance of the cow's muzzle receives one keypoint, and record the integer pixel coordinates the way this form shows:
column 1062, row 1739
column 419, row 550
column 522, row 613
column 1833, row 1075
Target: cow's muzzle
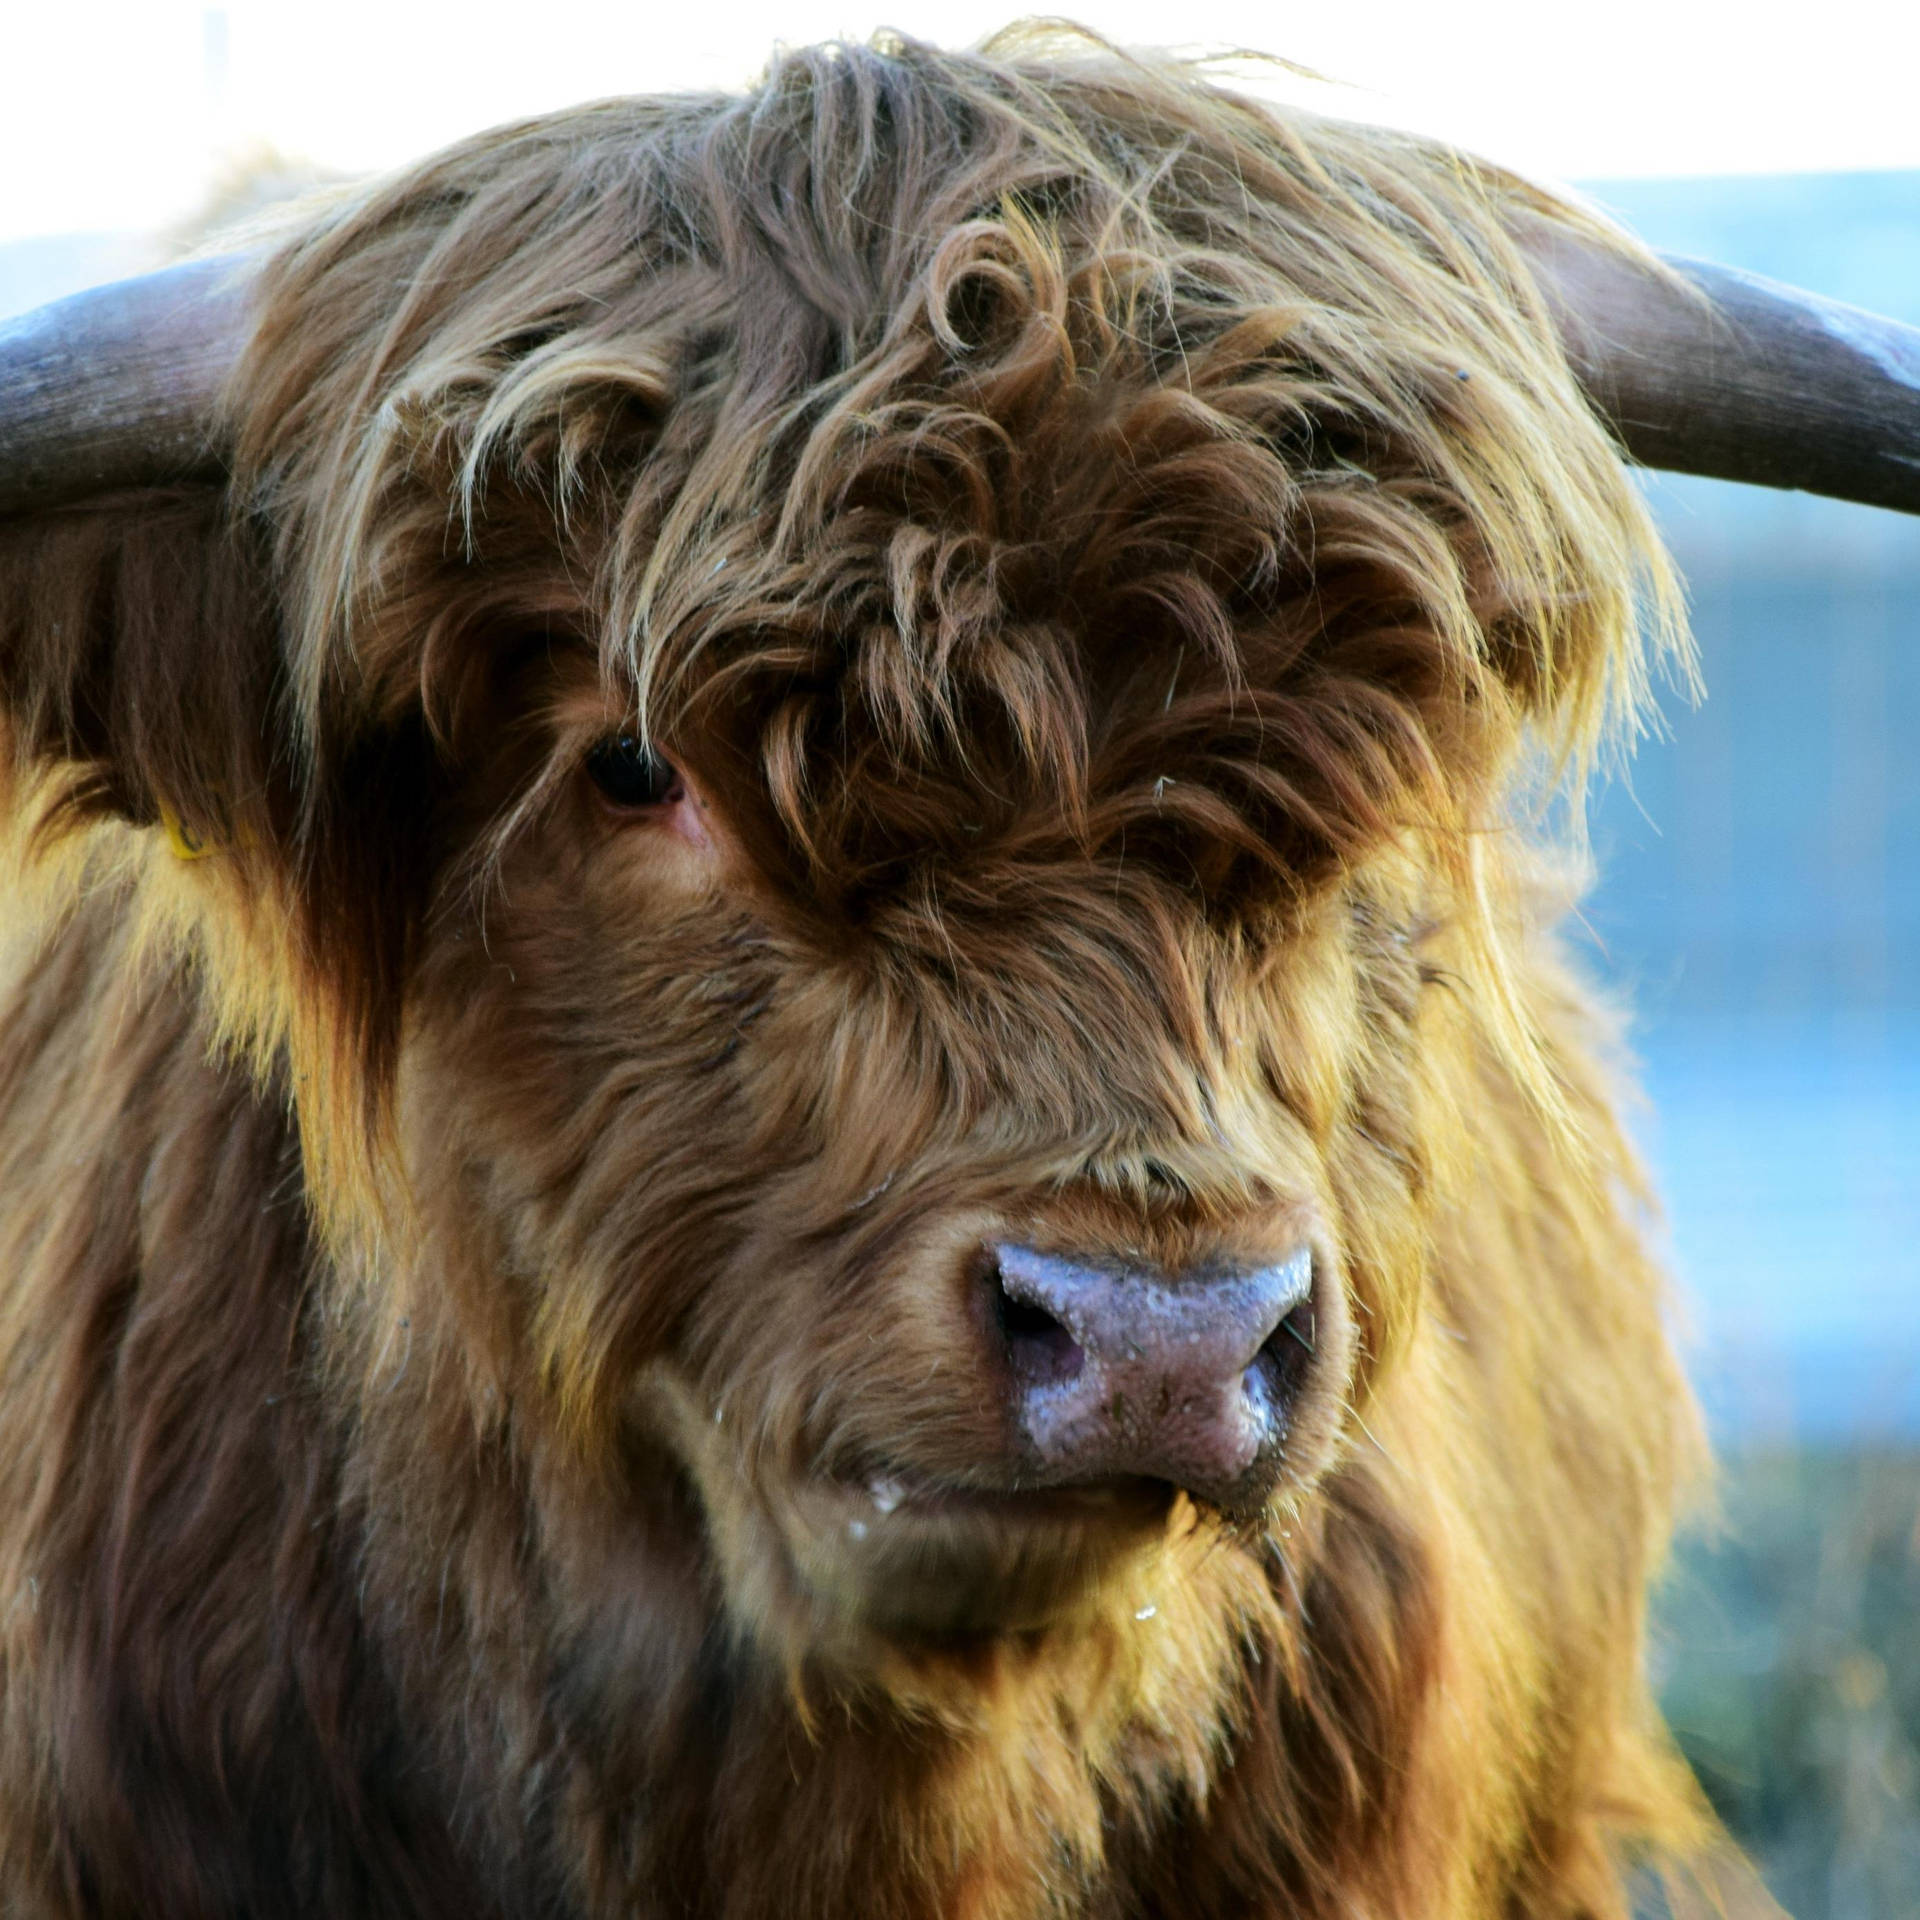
column 1125, row 1371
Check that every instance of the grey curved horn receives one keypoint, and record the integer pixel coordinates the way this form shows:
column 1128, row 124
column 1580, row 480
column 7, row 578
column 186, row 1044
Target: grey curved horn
column 1720, row 372
column 115, row 387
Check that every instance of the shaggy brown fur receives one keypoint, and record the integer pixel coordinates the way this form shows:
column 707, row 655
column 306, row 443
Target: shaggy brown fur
column 1109, row 561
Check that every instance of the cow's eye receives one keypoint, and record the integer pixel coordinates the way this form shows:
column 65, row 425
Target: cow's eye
column 630, row 773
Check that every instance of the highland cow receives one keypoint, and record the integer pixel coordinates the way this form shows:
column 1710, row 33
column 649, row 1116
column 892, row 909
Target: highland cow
column 788, row 1120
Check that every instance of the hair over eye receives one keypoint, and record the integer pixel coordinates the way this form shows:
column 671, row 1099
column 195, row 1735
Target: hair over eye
column 630, row 774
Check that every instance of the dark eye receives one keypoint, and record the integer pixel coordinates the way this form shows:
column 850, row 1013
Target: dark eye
column 630, row 773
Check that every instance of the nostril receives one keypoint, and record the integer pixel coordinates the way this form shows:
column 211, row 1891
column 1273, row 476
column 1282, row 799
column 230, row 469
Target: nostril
column 1039, row 1349
column 1279, row 1370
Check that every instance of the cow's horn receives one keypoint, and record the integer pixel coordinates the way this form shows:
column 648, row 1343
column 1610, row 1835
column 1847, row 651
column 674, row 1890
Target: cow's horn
column 1704, row 369
column 115, row 387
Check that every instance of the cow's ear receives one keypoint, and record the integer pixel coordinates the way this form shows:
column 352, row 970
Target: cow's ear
column 140, row 680
column 135, row 662
column 136, row 668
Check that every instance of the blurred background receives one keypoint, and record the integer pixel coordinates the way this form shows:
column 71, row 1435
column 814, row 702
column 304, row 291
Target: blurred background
column 1759, row 904
column 1759, row 893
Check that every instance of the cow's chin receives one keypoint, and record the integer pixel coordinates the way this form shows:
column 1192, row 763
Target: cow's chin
column 835, row 1565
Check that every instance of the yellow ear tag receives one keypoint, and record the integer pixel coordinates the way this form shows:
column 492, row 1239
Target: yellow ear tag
column 182, row 840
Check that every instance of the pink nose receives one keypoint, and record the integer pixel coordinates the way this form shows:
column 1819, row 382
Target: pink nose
column 1125, row 1371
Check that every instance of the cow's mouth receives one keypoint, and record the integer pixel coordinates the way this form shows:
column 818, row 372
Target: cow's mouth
column 917, row 1558
column 884, row 1500
column 840, row 1557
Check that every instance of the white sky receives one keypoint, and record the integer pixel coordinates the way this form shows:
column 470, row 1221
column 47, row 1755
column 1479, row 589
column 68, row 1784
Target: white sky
column 114, row 112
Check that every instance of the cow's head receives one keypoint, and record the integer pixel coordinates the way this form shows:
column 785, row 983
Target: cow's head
column 857, row 749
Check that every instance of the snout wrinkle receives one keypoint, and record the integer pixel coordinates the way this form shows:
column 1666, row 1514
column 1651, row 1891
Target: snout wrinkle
column 1123, row 1370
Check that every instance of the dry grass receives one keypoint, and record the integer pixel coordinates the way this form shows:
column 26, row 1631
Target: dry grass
column 1790, row 1650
